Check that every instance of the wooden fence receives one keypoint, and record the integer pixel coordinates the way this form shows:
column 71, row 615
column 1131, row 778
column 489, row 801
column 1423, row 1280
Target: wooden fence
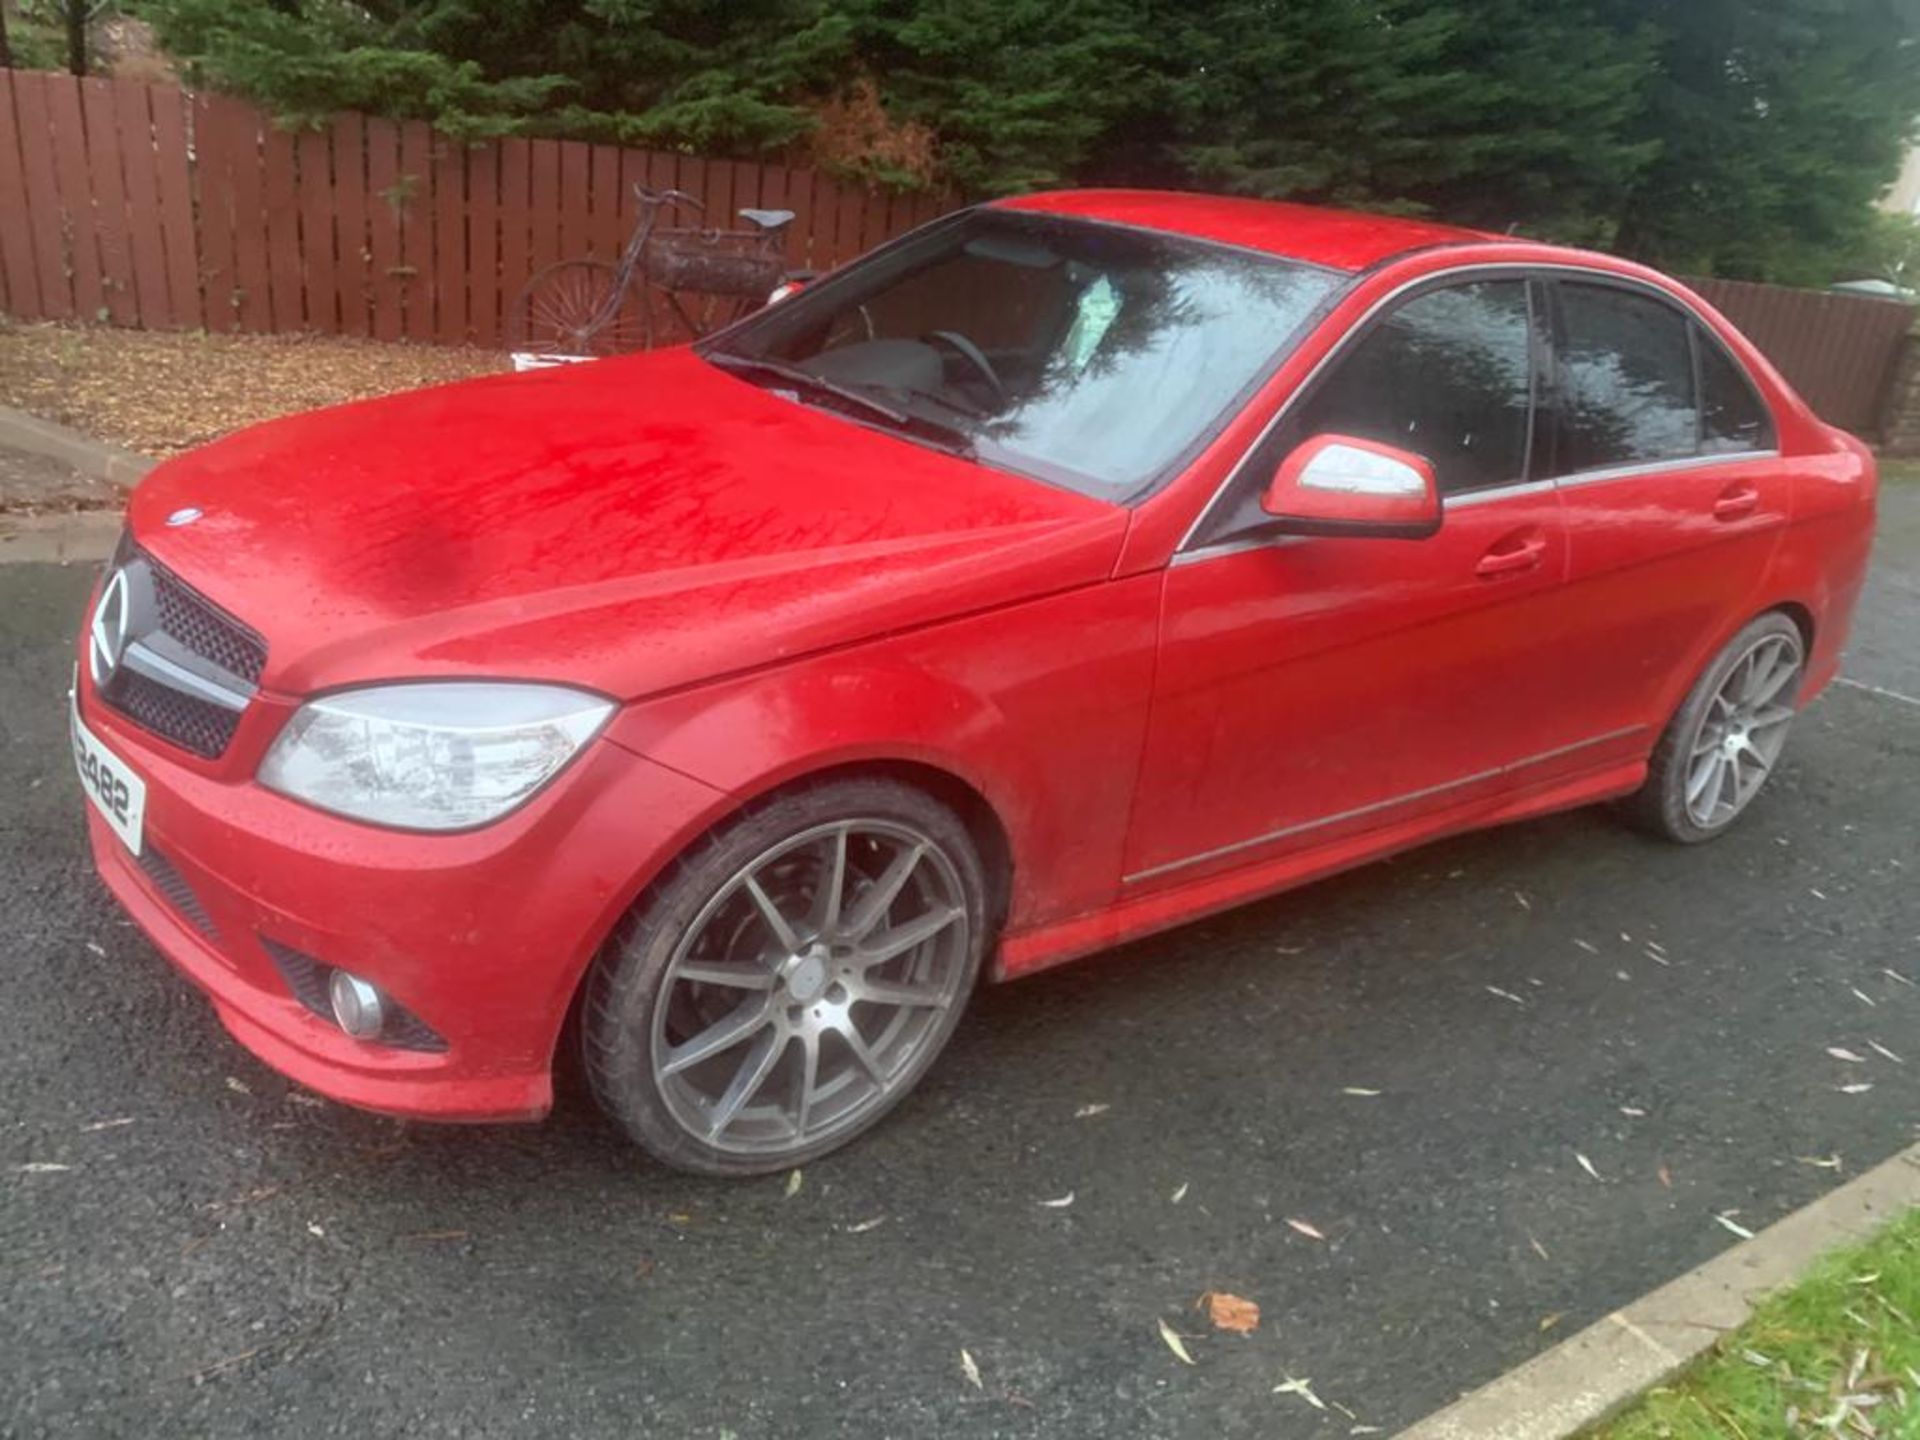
column 1839, row 351
column 145, row 205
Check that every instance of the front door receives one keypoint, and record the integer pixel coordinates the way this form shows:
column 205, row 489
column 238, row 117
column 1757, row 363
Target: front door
column 1312, row 688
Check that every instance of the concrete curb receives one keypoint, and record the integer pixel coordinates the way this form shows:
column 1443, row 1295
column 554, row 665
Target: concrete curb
column 1588, row 1377
column 84, row 535
column 92, row 458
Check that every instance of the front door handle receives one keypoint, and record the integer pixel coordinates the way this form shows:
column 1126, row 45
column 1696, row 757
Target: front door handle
column 1512, row 555
column 1737, row 500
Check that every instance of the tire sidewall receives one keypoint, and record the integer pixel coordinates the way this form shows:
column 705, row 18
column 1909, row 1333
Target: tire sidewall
column 624, row 986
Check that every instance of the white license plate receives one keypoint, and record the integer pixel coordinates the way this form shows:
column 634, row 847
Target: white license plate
column 116, row 792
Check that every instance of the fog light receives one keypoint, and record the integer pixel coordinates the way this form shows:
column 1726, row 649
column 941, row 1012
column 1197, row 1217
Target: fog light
column 356, row 1005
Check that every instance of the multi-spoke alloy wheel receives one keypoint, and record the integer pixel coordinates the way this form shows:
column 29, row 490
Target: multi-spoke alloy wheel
column 796, row 976
column 1727, row 737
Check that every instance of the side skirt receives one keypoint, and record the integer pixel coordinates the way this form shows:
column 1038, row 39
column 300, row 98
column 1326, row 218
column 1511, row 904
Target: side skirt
column 1130, row 919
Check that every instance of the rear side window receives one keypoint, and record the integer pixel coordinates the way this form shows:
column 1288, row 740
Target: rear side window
column 1733, row 417
column 1448, row 375
column 1626, row 380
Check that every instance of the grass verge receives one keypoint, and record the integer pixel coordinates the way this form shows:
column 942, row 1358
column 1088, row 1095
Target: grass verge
column 1836, row 1355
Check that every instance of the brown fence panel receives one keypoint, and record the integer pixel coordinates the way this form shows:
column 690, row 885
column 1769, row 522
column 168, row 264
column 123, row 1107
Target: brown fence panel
column 1838, row 351
column 414, row 191
column 286, row 270
column 450, row 242
column 19, row 276
column 173, row 172
column 383, row 229
column 146, row 237
column 353, row 273
column 67, row 136
column 107, row 189
column 313, row 151
column 483, row 241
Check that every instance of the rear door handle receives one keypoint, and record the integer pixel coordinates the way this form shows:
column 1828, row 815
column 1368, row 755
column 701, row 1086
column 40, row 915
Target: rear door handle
column 1513, row 555
column 1735, row 501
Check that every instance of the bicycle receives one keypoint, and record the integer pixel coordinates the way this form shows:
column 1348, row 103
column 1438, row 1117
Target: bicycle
column 586, row 308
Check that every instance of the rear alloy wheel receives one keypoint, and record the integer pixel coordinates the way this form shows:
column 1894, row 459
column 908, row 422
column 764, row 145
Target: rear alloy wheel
column 790, row 981
column 1726, row 739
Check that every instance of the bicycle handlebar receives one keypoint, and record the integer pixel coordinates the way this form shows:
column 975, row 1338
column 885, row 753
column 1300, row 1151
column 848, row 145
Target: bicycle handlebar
column 657, row 198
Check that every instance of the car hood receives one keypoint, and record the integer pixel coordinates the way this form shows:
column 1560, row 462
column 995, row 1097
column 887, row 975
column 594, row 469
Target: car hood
column 631, row 525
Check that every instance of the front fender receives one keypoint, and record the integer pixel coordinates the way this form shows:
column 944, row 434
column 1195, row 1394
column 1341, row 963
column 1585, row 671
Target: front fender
column 1040, row 708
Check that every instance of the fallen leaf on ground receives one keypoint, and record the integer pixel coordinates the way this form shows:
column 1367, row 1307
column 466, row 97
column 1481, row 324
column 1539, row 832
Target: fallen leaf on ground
column 1547, row 1322
column 1666, row 1178
column 1840, row 1052
column 1735, row 1226
column 1086, row 1111
column 237, row 1085
column 866, row 1225
column 1060, row 1204
column 1231, row 1312
column 970, row 1370
column 313, row 1229
column 1306, row 1228
column 1302, row 1388
column 1586, row 1164
column 1179, row 1193
column 794, row 1182
column 1832, row 1162
column 1175, row 1343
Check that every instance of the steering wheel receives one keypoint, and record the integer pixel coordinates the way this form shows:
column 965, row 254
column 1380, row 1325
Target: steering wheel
column 970, row 352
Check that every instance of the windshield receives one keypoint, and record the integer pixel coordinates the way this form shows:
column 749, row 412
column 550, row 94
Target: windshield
column 1084, row 354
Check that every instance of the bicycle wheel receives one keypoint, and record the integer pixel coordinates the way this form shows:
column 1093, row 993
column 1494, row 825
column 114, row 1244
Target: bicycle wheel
column 577, row 308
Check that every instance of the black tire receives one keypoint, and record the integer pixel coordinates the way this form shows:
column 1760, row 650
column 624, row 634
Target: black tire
column 636, row 987
column 569, row 309
column 1661, row 806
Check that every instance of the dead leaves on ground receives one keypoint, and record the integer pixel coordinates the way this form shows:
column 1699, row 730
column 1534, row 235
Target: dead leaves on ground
column 1232, row 1313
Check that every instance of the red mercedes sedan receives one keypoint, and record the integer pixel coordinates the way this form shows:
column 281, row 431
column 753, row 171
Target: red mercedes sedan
column 1070, row 568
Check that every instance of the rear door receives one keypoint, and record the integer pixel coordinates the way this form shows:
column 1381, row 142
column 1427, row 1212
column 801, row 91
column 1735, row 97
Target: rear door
column 1674, row 492
column 1313, row 688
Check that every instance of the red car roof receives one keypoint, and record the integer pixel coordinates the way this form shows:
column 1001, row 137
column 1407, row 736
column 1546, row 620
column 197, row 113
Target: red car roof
column 1341, row 239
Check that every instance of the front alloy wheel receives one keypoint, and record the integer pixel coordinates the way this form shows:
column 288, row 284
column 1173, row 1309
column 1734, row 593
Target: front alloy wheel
column 790, row 981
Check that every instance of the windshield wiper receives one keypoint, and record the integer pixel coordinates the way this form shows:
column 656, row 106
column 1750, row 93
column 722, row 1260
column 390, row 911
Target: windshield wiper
column 939, row 434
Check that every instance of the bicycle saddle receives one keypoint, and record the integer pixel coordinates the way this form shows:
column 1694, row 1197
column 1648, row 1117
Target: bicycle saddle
column 767, row 219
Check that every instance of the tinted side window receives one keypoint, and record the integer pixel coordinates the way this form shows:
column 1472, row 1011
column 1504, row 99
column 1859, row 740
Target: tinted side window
column 1448, row 375
column 1732, row 415
column 1626, row 380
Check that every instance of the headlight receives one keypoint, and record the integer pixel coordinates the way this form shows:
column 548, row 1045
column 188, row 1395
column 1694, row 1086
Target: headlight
column 437, row 755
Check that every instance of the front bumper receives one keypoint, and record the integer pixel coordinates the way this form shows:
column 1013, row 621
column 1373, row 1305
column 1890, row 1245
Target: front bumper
column 483, row 935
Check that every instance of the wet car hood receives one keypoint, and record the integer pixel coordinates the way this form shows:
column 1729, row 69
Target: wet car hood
column 631, row 525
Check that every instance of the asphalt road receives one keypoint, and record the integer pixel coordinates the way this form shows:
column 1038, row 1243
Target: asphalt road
column 221, row 1257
